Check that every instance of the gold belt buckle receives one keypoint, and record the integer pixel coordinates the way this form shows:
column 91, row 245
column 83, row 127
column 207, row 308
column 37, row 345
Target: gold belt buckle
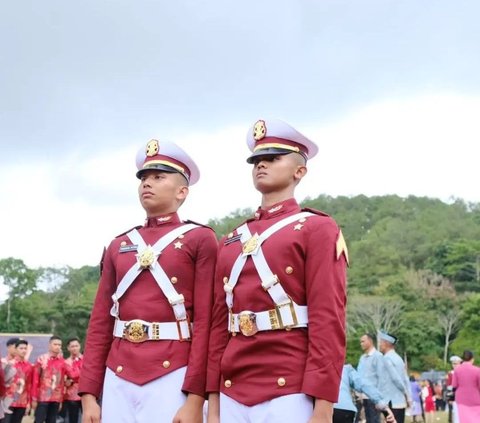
column 292, row 311
column 247, row 321
column 179, row 329
column 135, row 331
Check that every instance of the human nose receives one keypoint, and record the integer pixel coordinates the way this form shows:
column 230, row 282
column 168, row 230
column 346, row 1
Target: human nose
column 261, row 164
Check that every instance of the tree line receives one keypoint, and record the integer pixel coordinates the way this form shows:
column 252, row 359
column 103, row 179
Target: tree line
column 415, row 271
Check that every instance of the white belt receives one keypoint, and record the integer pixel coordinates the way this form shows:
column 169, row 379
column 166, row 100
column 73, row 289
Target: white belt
column 249, row 323
column 139, row 330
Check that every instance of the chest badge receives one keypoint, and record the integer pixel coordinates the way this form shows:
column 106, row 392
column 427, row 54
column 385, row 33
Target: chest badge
column 147, row 257
column 251, row 245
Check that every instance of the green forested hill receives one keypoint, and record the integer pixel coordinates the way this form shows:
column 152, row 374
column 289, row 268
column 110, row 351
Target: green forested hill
column 415, row 270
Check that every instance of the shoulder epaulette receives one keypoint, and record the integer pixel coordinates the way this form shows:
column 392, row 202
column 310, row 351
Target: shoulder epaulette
column 250, row 219
column 314, row 211
column 126, row 232
column 199, row 224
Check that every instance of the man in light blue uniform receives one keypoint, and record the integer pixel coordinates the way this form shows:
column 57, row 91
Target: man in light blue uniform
column 344, row 410
column 397, row 386
column 370, row 369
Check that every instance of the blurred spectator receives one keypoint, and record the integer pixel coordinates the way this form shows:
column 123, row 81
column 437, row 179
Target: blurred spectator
column 466, row 380
column 49, row 381
column 2, row 392
column 438, row 395
column 74, row 362
column 397, row 386
column 10, row 351
column 416, row 408
column 370, row 369
column 344, row 410
column 428, row 401
column 19, row 390
column 455, row 361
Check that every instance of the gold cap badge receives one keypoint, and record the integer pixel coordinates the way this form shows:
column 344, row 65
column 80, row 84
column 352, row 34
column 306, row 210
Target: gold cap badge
column 152, row 148
column 259, row 130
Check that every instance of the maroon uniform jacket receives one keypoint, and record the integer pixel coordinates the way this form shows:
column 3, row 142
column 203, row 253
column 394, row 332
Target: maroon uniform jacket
column 190, row 262
column 304, row 256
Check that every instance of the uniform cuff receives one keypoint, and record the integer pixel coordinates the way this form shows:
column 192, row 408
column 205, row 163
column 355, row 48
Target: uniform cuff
column 322, row 383
column 194, row 385
column 89, row 386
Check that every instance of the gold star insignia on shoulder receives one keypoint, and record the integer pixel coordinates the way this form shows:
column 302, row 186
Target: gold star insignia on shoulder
column 342, row 247
column 178, row 245
column 297, row 227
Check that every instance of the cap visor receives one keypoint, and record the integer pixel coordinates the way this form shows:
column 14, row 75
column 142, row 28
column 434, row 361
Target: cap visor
column 268, row 152
column 159, row 167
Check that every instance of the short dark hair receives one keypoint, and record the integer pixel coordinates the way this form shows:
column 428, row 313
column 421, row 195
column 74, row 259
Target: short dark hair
column 12, row 341
column 54, row 338
column 21, row 342
column 370, row 336
column 73, row 340
column 467, row 355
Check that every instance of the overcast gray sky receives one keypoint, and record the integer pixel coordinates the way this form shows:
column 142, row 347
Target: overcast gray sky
column 390, row 91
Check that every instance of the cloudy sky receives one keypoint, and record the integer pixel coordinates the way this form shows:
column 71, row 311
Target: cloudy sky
column 389, row 90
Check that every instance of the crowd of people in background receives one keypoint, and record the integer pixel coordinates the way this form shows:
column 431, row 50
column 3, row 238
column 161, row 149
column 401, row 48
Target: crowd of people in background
column 47, row 388
column 381, row 385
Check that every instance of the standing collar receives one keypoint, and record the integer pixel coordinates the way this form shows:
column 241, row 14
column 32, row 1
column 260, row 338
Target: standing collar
column 152, row 222
column 277, row 209
column 371, row 352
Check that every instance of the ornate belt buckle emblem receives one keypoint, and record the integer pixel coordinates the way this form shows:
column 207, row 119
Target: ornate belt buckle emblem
column 250, row 246
column 135, row 331
column 147, row 257
column 247, row 322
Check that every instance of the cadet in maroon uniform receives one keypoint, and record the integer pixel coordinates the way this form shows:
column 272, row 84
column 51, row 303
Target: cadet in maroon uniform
column 147, row 340
column 280, row 291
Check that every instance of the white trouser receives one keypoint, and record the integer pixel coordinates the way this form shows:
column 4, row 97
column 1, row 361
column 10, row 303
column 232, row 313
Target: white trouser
column 156, row 402
column 293, row 408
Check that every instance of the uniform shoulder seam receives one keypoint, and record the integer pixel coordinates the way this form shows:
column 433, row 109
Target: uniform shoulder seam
column 127, row 231
column 196, row 223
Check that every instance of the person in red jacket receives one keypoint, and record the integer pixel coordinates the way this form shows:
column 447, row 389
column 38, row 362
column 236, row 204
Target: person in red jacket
column 49, row 381
column 277, row 343
column 72, row 401
column 19, row 391
column 2, row 391
column 147, row 339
